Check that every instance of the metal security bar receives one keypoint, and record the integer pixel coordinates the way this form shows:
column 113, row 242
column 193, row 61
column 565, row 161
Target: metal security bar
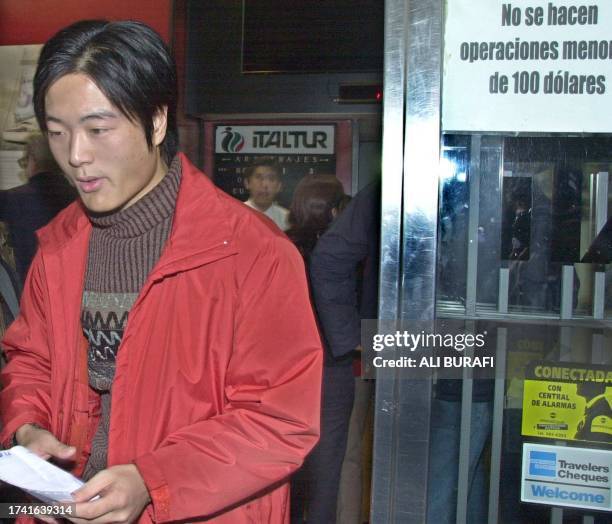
column 385, row 438
column 599, row 216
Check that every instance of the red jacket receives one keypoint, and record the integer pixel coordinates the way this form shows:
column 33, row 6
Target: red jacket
column 217, row 387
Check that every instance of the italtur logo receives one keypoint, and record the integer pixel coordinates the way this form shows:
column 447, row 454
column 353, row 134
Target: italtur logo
column 232, row 141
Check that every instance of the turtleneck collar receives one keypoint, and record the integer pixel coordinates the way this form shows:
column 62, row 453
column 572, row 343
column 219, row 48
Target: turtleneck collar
column 142, row 216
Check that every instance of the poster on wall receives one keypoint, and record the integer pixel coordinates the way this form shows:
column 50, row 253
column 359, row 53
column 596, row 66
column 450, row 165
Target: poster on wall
column 564, row 476
column 298, row 148
column 17, row 118
column 534, row 66
column 568, row 401
column 16, row 89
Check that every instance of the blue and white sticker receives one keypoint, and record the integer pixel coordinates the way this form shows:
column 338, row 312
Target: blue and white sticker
column 567, row 476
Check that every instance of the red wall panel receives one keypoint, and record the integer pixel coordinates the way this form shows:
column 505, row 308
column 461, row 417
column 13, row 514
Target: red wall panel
column 34, row 21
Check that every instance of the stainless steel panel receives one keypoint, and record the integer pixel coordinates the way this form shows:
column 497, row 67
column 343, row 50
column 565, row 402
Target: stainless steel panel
column 392, row 157
column 411, row 153
column 498, row 420
column 567, row 292
column 473, row 221
column 489, row 238
column 601, row 200
column 599, row 295
column 599, row 218
column 385, row 414
column 504, row 283
column 463, row 479
column 421, row 158
column 420, row 212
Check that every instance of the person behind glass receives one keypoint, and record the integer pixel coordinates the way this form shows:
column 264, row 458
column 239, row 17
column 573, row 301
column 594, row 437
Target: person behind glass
column 29, row 207
column 314, row 488
column 263, row 181
column 195, row 409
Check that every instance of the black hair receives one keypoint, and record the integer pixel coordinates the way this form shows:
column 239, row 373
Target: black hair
column 266, row 161
column 128, row 61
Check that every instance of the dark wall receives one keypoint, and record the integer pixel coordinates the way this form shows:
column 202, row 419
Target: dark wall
column 216, row 85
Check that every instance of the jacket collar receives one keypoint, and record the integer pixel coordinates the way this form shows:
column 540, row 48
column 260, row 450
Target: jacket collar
column 201, row 227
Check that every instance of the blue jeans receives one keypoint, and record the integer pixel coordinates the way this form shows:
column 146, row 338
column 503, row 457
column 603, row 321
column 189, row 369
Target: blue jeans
column 444, row 462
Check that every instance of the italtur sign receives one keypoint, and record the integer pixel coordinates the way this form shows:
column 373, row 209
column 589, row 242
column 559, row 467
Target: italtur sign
column 275, row 139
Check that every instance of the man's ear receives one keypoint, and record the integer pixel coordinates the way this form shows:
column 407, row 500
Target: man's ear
column 245, row 181
column 160, row 124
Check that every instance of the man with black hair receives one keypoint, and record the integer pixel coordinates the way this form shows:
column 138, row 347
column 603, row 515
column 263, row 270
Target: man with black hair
column 143, row 354
column 262, row 180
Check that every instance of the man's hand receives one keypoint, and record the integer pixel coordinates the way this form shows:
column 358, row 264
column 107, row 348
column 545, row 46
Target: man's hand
column 43, row 443
column 122, row 497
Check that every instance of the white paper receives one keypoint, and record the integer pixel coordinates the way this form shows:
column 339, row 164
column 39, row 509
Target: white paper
column 45, row 481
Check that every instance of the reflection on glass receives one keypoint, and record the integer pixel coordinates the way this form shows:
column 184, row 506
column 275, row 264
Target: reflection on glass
column 454, row 209
column 534, row 216
column 516, row 218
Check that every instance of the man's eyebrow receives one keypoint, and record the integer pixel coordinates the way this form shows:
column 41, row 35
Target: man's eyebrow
column 95, row 115
column 98, row 115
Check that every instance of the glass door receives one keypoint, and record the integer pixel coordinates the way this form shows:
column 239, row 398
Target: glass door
column 496, row 206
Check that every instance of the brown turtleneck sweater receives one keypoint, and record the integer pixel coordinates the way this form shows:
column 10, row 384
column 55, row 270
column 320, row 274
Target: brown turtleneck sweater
column 123, row 248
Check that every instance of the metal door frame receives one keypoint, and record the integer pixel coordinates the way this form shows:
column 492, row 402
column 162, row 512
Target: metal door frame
column 410, row 163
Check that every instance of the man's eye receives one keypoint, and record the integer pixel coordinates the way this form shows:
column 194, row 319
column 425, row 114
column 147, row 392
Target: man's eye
column 53, row 134
column 98, row 130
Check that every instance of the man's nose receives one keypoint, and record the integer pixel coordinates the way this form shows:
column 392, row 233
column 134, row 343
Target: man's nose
column 80, row 150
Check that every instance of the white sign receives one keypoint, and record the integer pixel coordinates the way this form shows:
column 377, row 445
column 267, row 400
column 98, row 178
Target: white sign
column 564, row 476
column 274, row 140
column 528, row 65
